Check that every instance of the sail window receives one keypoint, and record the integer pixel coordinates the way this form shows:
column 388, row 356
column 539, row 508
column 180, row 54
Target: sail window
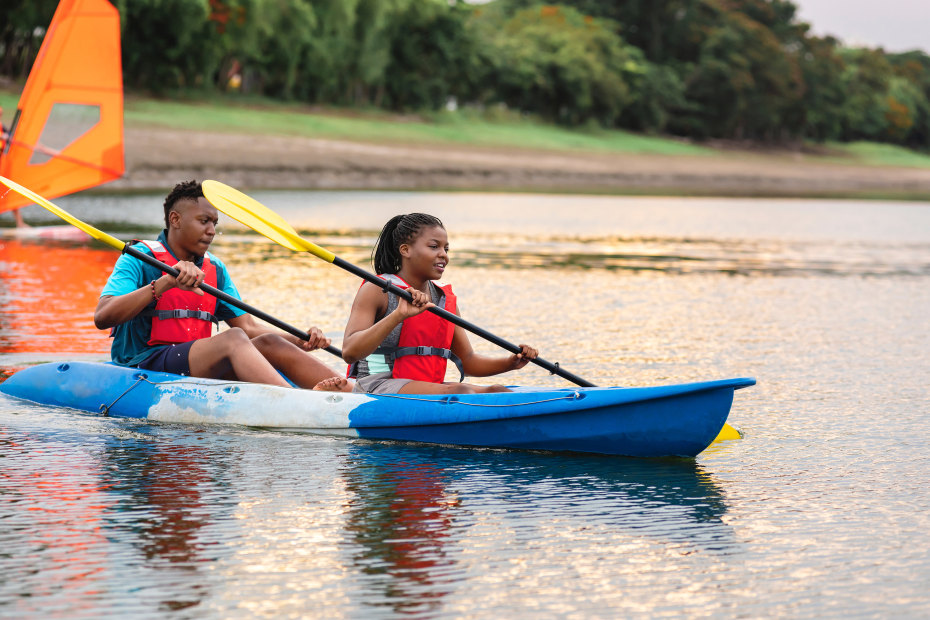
column 66, row 123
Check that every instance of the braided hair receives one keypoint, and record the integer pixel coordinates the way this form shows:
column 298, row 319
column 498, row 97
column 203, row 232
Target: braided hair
column 399, row 230
column 188, row 190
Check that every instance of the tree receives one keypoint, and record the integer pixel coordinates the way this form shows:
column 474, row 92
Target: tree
column 820, row 109
column 743, row 83
column 21, row 34
column 558, row 63
column 279, row 35
column 168, row 44
column 914, row 68
column 865, row 79
column 658, row 94
column 430, row 53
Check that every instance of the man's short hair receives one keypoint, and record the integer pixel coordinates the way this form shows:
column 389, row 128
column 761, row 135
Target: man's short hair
column 188, row 190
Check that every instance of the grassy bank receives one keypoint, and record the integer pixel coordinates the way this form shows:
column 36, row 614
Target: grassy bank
column 459, row 128
column 878, row 154
column 465, row 127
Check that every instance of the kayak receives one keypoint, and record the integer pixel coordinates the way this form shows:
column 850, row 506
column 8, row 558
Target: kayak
column 46, row 233
column 671, row 420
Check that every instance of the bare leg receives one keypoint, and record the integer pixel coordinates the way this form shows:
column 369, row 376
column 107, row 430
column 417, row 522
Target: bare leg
column 231, row 353
column 425, row 387
column 20, row 223
column 299, row 366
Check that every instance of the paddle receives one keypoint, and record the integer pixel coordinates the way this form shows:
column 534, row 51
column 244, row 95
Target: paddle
column 291, row 240
column 151, row 260
column 260, row 218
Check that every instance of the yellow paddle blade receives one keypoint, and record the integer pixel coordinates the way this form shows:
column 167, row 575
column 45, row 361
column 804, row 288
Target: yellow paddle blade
column 727, row 433
column 248, row 203
column 42, row 202
column 248, row 211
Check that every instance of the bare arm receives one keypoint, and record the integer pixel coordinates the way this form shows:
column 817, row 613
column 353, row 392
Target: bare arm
column 252, row 328
column 363, row 334
column 476, row 365
column 112, row 311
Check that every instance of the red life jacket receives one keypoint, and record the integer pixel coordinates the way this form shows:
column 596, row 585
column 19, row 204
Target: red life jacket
column 425, row 342
column 182, row 316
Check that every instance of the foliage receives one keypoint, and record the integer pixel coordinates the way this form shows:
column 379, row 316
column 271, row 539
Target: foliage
column 430, row 54
column 166, row 43
column 733, row 69
column 912, row 71
column 820, row 110
column 21, row 31
column 562, row 65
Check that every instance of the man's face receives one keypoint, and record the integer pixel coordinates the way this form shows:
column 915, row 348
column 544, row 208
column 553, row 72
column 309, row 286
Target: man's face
column 194, row 226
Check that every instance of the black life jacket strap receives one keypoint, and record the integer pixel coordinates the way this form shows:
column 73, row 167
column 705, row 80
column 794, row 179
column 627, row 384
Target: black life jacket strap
column 393, row 354
column 203, row 315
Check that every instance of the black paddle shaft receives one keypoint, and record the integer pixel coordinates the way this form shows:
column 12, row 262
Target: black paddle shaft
column 154, row 262
column 457, row 320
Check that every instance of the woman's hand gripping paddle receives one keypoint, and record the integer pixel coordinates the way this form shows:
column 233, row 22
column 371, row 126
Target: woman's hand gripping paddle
column 151, row 260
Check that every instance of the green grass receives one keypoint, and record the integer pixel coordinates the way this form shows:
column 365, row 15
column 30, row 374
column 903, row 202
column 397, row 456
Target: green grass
column 879, row 154
column 8, row 101
column 461, row 127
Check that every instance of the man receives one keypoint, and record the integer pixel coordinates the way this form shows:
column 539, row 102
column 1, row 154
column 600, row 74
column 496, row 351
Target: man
column 4, row 136
column 163, row 323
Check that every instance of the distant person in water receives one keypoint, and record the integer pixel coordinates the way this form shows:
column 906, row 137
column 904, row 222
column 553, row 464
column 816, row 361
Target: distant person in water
column 395, row 346
column 164, row 323
column 4, row 136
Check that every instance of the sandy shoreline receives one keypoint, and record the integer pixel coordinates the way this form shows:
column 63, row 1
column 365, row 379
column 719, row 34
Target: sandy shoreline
column 157, row 158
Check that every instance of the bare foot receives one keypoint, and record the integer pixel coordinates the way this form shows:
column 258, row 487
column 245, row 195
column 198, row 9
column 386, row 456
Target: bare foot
column 334, row 384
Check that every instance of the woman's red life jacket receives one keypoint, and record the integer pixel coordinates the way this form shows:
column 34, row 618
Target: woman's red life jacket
column 182, row 316
column 425, row 341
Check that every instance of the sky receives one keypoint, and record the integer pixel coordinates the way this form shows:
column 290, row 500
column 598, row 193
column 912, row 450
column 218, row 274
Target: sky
column 895, row 25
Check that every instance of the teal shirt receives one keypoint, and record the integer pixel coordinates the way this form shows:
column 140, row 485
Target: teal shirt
column 130, row 339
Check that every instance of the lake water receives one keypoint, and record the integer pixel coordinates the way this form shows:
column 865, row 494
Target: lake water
column 822, row 509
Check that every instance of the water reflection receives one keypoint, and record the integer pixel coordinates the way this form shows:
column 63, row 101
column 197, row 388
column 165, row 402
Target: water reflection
column 53, row 524
column 164, row 497
column 417, row 510
column 48, row 291
column 401, row 519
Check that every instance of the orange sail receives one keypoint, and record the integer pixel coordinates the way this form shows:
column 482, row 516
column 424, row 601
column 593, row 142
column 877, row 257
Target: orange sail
column 67, row 134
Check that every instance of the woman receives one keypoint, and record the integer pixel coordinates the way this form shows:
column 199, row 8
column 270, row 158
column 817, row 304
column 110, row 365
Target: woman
column 396, row 346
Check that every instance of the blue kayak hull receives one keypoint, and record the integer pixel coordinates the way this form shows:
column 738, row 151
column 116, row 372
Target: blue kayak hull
column 673, row 420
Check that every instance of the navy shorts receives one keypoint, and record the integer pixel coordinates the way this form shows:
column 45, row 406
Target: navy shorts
column 173, row 358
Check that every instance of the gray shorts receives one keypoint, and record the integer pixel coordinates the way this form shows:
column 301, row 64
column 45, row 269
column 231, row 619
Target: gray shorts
column 381, row 383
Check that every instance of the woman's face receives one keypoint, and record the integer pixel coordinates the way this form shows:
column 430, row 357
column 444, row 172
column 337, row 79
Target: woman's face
column 428, row 254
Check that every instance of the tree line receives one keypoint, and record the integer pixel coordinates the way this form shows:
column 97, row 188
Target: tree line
column 724, row 69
